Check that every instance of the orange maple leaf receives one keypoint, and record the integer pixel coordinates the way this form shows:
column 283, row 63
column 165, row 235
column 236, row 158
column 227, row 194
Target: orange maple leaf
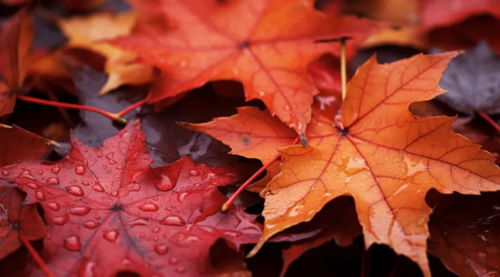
column 266, row 45
column 384, row 157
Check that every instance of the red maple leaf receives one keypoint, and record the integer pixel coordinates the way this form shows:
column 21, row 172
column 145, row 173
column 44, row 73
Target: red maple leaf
column 17, row 220
column 267, row 45
column 109, row 211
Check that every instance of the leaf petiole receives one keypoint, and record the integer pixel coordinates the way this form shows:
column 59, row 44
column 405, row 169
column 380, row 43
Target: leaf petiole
column 113, row 116
column 35, row 256
column 225, row 207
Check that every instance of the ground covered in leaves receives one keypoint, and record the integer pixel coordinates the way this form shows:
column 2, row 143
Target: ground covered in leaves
column 127, row 127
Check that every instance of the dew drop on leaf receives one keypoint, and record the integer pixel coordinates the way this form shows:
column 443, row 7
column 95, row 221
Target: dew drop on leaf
column 161, row 249
column 180, row 269
column 173, row 261
column 172, row 220
column 80, row 169
column 194, row 172
column 32, row 185
column 81, row 210
column 54, row 206
column 111, row 235
column 140, row 221
column 60, row 220
column 75, row 190
column 90, row 224
column 98, row 188
column 52, row 181
column 5, row 173
column 72, row 243
column 56, row 169
column 39, row 195
column 165, row 184
column 148, row 207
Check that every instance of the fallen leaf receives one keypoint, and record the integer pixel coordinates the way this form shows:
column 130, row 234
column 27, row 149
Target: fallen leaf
column 15, row 219
column 16, row 35
column 88, row 33
column 447, row 12
column 384, row 157
column 472, row 81
column 17, row 145
column 266, row 45
column 108, row 211
column 251, row 133
column 465, row 233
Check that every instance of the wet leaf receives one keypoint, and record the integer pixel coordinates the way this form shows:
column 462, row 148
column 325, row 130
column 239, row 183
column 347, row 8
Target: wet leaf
column 156, row 221
column 268, row 51
column 383, row 156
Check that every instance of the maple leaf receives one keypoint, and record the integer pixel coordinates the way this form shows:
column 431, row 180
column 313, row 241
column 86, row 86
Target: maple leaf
column 472, row 81
column 442, row 13
column 16, row 36
column 266, row 45
column 384, row 157
column 251, row 133
column 17, row 219
column 465, row 233
column 88, row 33
column 109, row 211
column 17, row 144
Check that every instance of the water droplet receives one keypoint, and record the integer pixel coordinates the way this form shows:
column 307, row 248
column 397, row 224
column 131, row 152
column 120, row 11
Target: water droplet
column 173, row 220
column 191, row 239
column 140, row 221
column 135, row 187
column 85, row 183
column 54, row 206
column 142, row 235
column 114, row 193
column 87, row 269
column 75, row 190
column 155, row 230
column 52, row 181
column 182, row 196
column 165, row 184
column 39, row 195
column 111, row 235
column 148, row 207
column 39, row 172
column 109, row 156
column 72, row 243
column 27, row 174
column 82, row 210
column 194, row 172
column 32, row 185
column 161, row 249
column 126, row 262
column 180, row 269
column 98, row 188
column 173, row 261
column 5, row 173
column 56, row 169
column 61, row 220
column 80, row 169
column 90, row 224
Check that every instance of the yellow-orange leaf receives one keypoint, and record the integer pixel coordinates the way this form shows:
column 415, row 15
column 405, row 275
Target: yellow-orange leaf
column 384, row 157
column 91, row 33
column 251, row 133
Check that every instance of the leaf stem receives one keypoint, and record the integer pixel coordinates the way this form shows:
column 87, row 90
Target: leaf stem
column 35, row 256
column 132, row 107
column 489, row 119
column 343, row 68
column 225, row 207
column 112, row 116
